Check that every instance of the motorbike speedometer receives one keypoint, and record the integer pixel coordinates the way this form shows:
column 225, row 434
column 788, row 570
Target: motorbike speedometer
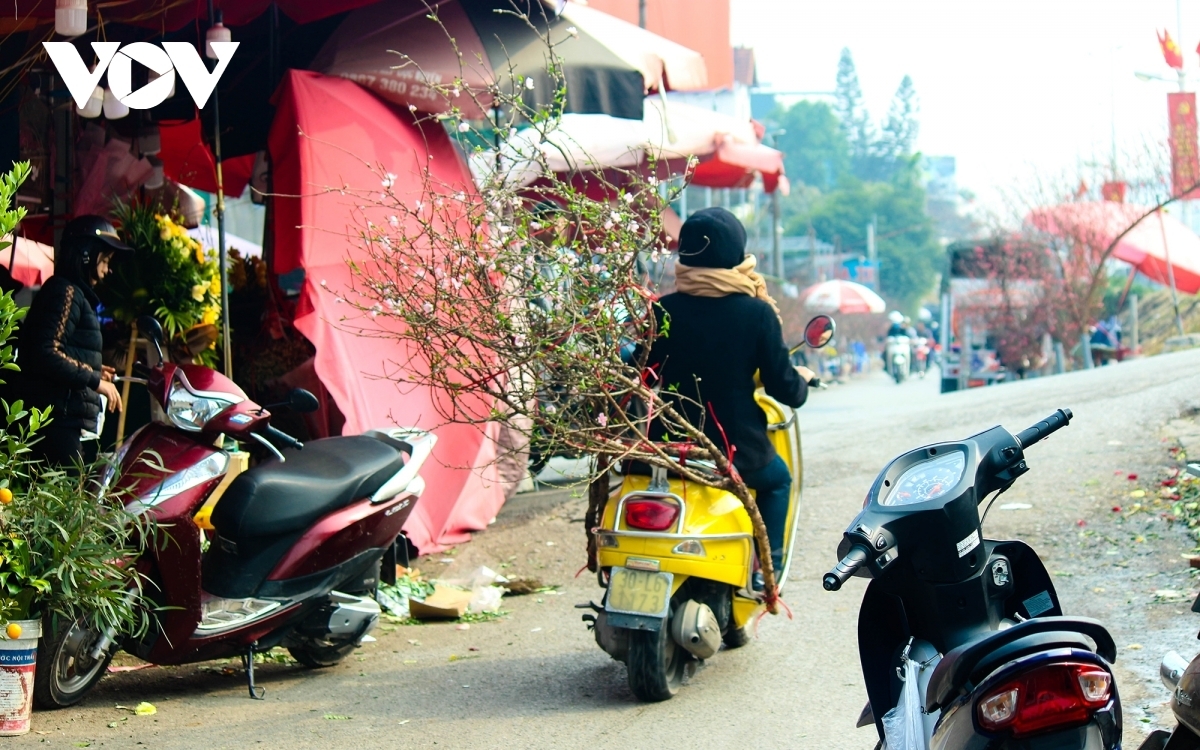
column 927, row 480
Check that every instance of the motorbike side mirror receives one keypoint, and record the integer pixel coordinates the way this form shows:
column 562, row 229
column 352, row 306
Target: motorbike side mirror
column 302, row 401
column 819, row 331
column 153, row 331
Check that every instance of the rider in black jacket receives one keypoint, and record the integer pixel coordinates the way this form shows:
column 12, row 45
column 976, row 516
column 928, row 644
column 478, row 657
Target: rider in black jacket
column 717, row 337
column 59, row 349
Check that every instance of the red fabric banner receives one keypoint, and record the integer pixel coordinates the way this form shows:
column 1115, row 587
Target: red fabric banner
column 1185, row 166
column 1113, row 192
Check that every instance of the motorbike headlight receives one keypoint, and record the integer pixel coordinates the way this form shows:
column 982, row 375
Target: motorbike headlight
column 191, row 411
column 113, row 465
column 182, row 481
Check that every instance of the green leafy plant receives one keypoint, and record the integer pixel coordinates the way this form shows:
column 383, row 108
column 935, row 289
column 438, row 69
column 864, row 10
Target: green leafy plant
column 62, row 549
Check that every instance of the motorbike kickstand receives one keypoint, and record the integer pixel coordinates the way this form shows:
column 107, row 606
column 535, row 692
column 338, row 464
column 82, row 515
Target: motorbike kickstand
column 256, row 692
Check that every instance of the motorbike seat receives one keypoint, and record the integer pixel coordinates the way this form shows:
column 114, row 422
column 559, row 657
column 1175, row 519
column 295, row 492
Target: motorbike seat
column 286, row 496
column 971, row 663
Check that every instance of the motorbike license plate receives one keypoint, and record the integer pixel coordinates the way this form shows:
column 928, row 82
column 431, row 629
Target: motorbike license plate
column 639, row 592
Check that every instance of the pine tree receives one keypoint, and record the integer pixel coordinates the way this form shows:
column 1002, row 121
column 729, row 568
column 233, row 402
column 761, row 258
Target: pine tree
column 852, row 114
column 900, row 133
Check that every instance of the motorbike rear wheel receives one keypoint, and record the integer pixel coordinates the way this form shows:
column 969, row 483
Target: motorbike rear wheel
column 656, row 664
column 318, row 656
column 736, row 637
column 65, row 671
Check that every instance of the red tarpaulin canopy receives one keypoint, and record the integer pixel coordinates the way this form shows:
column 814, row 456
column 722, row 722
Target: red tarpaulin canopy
column 327, row 134
column 188, row 160
column 1146, row 247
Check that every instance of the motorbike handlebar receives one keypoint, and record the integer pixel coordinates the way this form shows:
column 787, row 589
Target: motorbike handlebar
column 284, row 438
column 846, row 567
column 1050, row 424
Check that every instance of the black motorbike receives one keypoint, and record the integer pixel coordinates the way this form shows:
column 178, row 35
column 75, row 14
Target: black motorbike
column 962, row 640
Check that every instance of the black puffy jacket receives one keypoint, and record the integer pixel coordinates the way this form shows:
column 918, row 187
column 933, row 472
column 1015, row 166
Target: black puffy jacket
column 59, row 352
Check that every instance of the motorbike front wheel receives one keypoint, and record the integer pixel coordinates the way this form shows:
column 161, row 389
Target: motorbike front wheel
column 65, row 670
column 656, row 664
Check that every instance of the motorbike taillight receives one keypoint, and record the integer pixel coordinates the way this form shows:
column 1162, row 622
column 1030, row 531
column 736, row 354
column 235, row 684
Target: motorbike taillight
column 1052, row 697
column 650, row 513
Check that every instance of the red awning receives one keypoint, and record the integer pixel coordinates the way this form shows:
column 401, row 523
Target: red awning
column 187, row 160
column 327, row 134
column 734, row 164
column 169, row 16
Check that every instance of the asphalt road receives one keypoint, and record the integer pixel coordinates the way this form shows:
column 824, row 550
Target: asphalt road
column 535, row 679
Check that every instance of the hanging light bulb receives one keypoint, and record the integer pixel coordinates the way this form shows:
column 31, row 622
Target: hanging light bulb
column 150, row 141
column 216, row 33
column 114, row 108
column 95, row 104
column 70, row 17
column 155, row 180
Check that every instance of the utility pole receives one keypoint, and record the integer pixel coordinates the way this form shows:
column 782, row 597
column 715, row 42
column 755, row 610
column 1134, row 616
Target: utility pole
column 776, row 238
column 812, row 253
column 872, row 258
column 642, row 13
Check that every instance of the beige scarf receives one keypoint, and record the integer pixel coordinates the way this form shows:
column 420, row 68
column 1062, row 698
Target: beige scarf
column 721, row 282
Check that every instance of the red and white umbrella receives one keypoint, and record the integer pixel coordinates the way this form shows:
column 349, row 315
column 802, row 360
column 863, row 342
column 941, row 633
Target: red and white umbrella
column 843, row 297
column 29, row 262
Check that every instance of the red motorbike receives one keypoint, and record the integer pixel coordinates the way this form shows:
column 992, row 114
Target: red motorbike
column 921, row 353
column 290, row 556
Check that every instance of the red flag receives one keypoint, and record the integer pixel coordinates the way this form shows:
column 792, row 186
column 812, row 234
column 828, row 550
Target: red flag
column 1185, row 161
column 1170, row 50
column 1113, row 192
column 1082, row 190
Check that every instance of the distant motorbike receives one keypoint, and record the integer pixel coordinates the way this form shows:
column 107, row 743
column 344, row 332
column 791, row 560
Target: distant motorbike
column 677, row 563
column 962, row 639
column 898, row 353
column 921, row 353
column 287, row 552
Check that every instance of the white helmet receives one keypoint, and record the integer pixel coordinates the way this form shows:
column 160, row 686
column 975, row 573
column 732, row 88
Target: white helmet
column 896, row 316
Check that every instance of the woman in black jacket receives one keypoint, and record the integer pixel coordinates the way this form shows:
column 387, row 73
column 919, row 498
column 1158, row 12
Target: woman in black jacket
column 723, row 328
column 59, row 348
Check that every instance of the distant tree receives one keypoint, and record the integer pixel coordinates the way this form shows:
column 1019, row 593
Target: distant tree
column 898, row 138
column 905, row 241
column 815, row 148
column 853, row 116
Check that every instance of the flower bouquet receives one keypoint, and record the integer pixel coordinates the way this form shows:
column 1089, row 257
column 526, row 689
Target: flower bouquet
column 169, row 277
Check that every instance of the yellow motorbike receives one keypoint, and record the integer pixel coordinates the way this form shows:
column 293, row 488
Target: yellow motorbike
column 677, row 559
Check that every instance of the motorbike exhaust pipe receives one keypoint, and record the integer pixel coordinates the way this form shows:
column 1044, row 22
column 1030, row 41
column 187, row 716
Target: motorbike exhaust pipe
column 1171, row 670
column 695, row 628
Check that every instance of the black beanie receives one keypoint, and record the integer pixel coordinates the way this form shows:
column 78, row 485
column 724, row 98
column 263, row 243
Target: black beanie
column 712, row 238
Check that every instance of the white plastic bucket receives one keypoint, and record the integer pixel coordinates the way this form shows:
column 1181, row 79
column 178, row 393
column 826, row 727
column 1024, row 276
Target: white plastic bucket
column 18, row 657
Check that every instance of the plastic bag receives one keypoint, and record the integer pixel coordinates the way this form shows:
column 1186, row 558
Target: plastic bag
column 481, row 576
column 486, row 599
column 904, row 725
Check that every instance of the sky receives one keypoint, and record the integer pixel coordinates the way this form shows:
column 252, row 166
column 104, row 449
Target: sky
column 1008, row 87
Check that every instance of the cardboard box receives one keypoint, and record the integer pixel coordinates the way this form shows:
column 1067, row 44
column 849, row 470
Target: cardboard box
column 443, row 604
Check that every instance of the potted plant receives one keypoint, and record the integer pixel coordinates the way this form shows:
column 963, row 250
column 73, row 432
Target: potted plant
column 62, row 546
